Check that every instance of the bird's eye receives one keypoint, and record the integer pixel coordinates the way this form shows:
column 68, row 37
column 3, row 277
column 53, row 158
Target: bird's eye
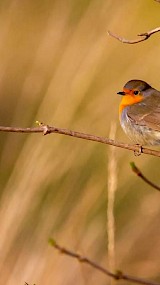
column 136, row 92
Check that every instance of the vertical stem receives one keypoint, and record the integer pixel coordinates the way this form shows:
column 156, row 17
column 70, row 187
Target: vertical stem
column 112, row 185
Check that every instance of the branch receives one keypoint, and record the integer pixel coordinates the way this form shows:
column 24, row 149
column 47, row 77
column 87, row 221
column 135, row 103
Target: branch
column 144, row 36
column 45, row 129
column 118, row 275
column 140, row 174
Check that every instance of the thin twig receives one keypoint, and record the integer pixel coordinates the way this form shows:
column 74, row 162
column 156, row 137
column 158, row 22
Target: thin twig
column 140, row 174
column 45, row 129
column 119, row 275
column 144, row 36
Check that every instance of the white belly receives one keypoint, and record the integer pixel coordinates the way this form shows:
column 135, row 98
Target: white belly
column 137, row 133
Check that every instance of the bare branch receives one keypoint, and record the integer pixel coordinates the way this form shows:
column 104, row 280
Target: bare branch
column 119, row 275
column 144, row 36
column 45, row 129
column 140, row 174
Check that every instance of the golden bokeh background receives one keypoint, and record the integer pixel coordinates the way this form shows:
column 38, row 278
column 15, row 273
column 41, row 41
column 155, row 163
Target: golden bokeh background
column 59, row 66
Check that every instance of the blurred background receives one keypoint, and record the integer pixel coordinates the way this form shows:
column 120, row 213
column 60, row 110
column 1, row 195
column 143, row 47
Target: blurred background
column 59, row 66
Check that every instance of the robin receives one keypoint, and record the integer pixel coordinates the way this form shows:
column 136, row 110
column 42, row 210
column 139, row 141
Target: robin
column 139, row 112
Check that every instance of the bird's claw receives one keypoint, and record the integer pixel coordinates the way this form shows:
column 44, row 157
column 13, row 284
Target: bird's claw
column 138, row 152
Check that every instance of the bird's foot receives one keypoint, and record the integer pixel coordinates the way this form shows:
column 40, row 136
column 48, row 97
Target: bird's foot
column 138, row 152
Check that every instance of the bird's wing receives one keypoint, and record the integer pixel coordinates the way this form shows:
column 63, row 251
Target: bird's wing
column 146, row 113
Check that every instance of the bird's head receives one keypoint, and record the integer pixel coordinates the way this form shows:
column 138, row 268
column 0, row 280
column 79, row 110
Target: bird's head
column 133, row 92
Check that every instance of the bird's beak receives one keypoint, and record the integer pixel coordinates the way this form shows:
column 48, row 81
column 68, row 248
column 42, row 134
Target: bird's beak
column 121, row 93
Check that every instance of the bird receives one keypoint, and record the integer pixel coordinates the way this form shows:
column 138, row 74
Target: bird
column 139, row 112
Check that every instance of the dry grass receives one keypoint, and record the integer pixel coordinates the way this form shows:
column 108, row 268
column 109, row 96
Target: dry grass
column 59, row 66
column 112, row 187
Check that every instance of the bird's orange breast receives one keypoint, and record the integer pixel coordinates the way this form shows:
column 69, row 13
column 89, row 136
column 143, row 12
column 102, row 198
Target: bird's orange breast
column 129, row 99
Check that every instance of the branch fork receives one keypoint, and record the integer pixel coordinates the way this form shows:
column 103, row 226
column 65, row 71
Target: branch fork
column 144, row 36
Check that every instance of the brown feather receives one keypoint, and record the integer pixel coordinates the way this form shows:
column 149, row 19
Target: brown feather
column 147, row 112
